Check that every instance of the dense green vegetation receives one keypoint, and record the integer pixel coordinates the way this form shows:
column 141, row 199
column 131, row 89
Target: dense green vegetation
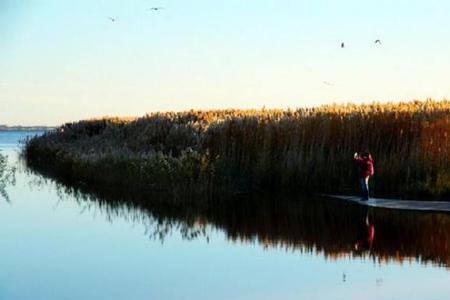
column 308, row 150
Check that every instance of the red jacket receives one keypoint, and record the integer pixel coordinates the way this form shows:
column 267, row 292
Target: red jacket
column 365, row 166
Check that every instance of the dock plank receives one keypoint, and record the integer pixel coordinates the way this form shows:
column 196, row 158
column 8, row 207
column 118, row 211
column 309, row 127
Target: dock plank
column 436, row 206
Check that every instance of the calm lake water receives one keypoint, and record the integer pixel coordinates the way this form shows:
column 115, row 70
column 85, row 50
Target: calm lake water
column 60, row 243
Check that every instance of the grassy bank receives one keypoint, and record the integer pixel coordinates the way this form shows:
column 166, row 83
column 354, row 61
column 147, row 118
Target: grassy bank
column 306, row 150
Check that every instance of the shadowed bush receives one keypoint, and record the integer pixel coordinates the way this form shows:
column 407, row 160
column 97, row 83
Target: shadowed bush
column 306, row 150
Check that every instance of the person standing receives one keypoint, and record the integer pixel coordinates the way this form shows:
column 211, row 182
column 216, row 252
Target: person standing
column 365, row 168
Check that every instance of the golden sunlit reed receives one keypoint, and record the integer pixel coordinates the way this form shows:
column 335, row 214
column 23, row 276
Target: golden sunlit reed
column 305, row 150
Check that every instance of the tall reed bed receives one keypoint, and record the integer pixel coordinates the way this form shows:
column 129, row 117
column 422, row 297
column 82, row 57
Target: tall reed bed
column 308, row 150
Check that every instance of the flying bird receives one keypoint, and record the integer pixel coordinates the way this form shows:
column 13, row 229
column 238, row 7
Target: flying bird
column 377, row 42
column 112, row 19
column 342, row 45
column 156, row 8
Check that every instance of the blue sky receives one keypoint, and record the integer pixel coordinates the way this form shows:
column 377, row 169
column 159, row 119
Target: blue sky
column 65, row 60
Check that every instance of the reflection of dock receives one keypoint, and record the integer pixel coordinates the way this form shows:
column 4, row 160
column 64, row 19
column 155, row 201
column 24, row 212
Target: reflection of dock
column 436, row 206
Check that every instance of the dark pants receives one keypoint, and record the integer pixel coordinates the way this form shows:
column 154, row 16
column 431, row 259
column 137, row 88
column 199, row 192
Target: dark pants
column 364, row 183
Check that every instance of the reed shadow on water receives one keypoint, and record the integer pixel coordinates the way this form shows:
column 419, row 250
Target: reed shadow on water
column 314, row 225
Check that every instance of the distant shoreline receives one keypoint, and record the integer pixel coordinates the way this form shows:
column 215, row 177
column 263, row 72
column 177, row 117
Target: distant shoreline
column 25, row 128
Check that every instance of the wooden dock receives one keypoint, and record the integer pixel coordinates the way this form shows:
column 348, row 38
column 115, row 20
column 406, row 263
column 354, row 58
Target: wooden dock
column 435, row 206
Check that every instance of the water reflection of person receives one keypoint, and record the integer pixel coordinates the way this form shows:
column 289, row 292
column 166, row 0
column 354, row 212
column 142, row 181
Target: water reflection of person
column 366, row 235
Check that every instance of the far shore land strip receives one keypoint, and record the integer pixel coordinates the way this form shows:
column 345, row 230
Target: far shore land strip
column 25, row 128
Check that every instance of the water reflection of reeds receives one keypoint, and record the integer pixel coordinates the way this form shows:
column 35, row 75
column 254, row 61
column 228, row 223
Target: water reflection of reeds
column 7, row 176
column 306, row 225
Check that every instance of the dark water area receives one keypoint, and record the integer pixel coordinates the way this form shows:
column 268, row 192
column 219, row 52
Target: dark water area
column 64, row 241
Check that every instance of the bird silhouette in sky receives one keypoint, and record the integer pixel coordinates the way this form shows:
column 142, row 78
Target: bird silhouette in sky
column 112, row 19
column 377, row 42
column 156, row 8
column 342, row 45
